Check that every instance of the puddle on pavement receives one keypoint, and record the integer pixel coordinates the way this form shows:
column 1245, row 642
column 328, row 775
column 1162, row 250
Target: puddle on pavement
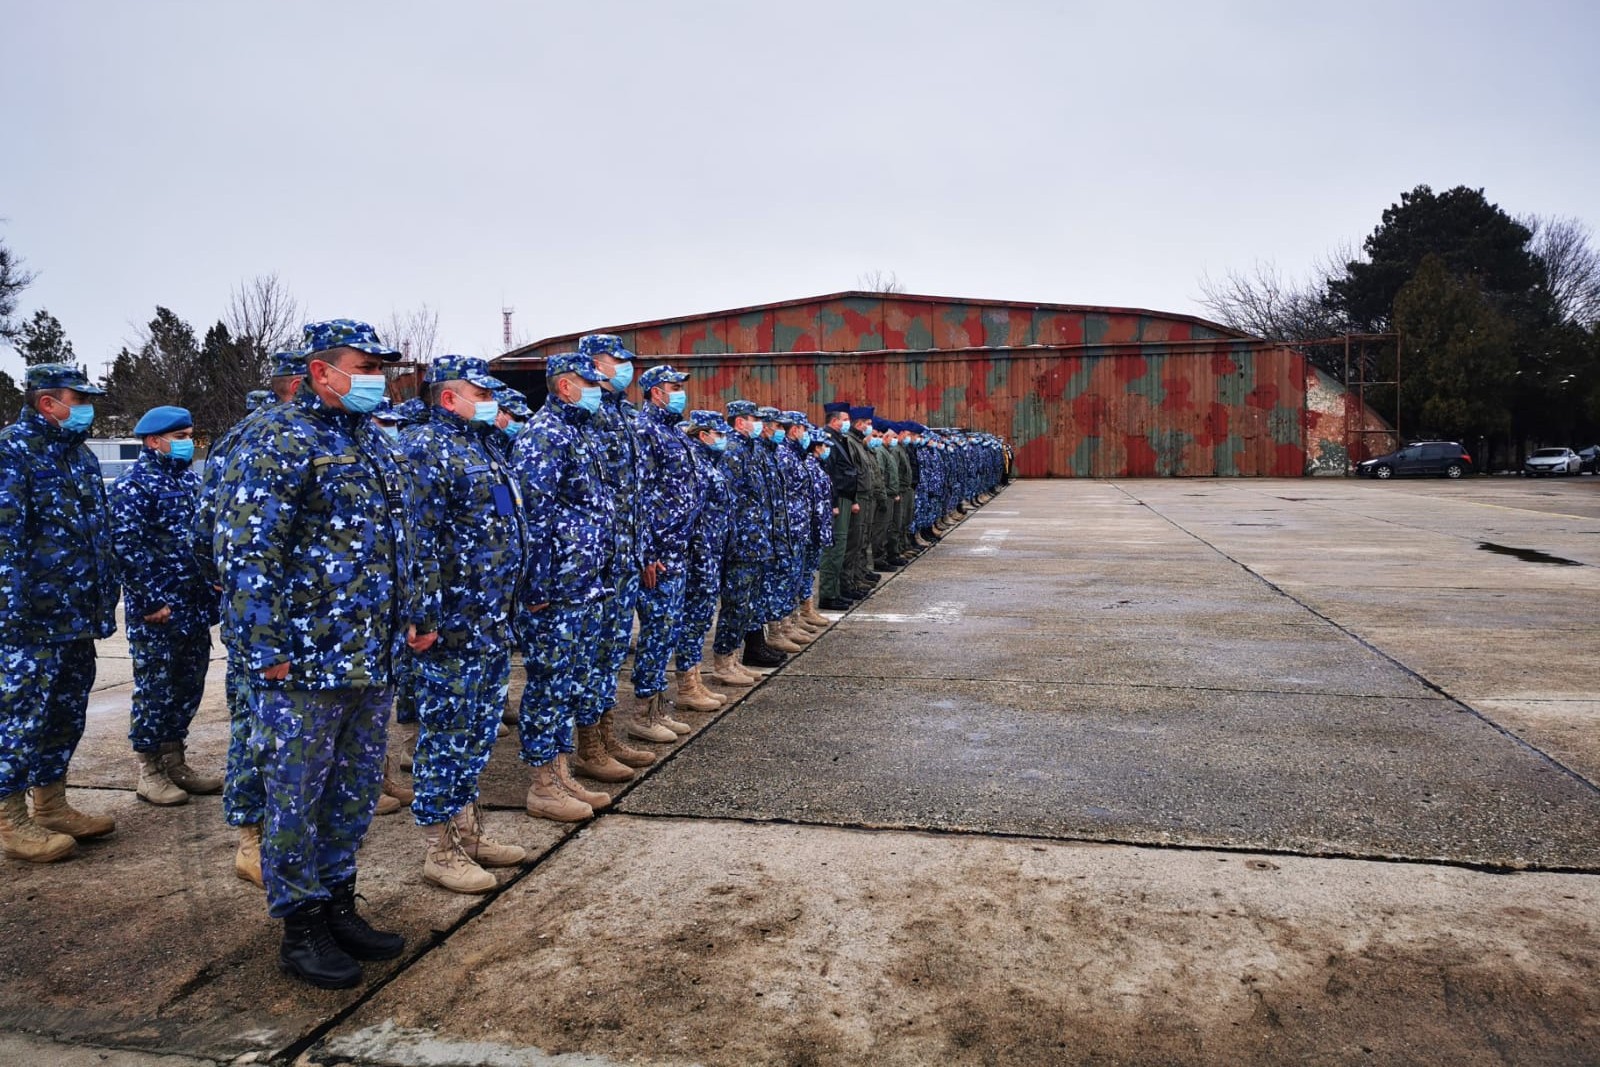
column 1526, row 555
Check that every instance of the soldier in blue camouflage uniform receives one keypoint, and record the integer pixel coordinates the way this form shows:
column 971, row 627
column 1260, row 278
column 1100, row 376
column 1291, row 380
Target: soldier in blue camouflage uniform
column 257, row 398
column 470, row 544
column 169, row 604
column 243, row 796
column 513, row 418
column 778, row 576
column 602, row 755
column 751, row 522
column 318, row 595
column 792, row 440
column 824, row 511
column 708, row 434
column 58, row 593
column 571, row 525
column 669, row 507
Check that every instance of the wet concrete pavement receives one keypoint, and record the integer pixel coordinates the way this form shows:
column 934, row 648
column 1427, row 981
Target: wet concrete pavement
column 1143, row 772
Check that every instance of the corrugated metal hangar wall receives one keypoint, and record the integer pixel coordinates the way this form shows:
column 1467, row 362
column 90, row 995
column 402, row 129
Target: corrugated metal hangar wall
column 1079, row 391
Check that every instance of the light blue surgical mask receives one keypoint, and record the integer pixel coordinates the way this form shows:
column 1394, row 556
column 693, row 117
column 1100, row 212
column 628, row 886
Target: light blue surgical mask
column 826, row 452
column 805, row 439
column 757, row 427
column 623, row 378
column 589, row 400
column 485, row 411
column 719, row 444
column 874, row 442
column 390, row 431
column 79, row 419
column 845, row 426
column 512, row 428
column 181, row 449
column 676, row 402
column 365, row 393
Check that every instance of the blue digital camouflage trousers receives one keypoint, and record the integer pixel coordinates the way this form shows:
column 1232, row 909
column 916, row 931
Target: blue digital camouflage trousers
column 242, row 798
column 460, row 697
column 44, row 692
column 808, row 573
column 741, row 582
column 321, row 757
column 779, row 579
column 616, row 626
column 700, row 593
column 558, row 645
column 169, row 678
column 660, row 619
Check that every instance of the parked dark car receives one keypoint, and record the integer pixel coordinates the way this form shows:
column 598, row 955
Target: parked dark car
column 1445, row 459
column 1590, row 459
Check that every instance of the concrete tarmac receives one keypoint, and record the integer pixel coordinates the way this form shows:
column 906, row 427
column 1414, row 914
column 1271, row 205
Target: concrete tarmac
column 1179, row 771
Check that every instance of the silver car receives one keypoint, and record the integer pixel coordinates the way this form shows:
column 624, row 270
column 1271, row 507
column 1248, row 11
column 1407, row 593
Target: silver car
column 1552, row 461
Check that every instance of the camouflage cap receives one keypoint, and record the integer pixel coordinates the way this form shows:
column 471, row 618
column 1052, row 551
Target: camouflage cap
column 389, row 413
column 513, row 403
column 767, row 413
column 604, row 344
column 573, row 363
column 740, row 409
column 413, row 410
column 60, row 376
column 462, row 369
column 702, row 419
column 257, row 398
column 346, row 333
column 795, row 418
column 289, row 364
column 660, row 376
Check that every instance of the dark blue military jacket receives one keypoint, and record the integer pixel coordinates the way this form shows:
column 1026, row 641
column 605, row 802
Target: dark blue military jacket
column 58, row 568
column 153, row 524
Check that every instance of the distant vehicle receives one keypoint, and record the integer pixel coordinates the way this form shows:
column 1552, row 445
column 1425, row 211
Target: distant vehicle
column 1552, row 461
column 1445, row 459
column 1589, row 459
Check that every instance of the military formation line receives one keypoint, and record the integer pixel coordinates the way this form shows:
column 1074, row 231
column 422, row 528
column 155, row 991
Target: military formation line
column 366, row 560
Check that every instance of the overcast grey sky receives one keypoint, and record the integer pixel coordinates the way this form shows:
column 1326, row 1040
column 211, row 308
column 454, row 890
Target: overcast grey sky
column 601, row 162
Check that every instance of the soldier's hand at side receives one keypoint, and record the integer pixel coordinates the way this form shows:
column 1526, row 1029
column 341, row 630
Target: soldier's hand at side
column 836, row 511
column 854, row 508
column 277, row 672
column 162, row 616
column 536, row 608
column 420, row 643
column 647, row 575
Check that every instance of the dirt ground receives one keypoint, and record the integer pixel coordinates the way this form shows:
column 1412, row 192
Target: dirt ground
column 1157, row 772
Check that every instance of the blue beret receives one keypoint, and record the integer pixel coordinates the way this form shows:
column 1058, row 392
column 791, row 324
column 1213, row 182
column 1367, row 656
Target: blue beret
column 290, row 364
column 573, row 363
column 836, row 407
column 604, row 344
column 60, row 376
column 163, row 419
column 737, row 408
column 709, row 420
column 860, row 413
column 346, row 333
column 660, row 376
column 462, row 369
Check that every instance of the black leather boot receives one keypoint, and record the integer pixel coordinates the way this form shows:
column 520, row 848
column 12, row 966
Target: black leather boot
column 309, row 953
column 351, row 931
column 757, row 653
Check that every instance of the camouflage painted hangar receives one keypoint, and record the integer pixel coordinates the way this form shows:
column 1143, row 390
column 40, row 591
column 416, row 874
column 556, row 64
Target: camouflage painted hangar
column 1079, row 391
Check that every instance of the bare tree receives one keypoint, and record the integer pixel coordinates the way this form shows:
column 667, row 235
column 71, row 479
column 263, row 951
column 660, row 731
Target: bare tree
column 1265, row 302
column 415, row 333
column 878, row 281
column 13, row 280
column 263, row 311
column 1571, row 265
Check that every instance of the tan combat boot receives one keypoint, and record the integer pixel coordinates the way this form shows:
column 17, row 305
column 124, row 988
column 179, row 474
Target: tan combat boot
column 154, row 786
column 393, row 786
column 406, row 735
column 697, row 682
column 24, row 839
column 809, row 612
column 592, row 760
column 593, row 797
column 725, row 670
column 547, row 800
column 179, row 773
column 477, row 845
column 694, row 696
column 643, row 723
column 387, row 805
column 446, row 865
column 797, row 631
column 617, row 748
column 247, row 859
column 659, row 716
column 777, row 640
column 51, row 811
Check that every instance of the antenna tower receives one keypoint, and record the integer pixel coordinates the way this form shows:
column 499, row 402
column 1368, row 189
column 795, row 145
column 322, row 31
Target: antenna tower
column 505, row 320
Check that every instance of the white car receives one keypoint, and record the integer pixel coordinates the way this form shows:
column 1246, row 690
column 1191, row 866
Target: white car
column 1552, row 461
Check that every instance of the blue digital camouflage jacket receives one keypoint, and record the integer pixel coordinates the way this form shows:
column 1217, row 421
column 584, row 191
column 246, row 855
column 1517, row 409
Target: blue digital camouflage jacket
column 205, row 512
column 669, row 499
column 153, row 526
column 821, row 503
column 615, row 432
column 58, row 568
column 796, row 493
column 312, row 545
column 750, row 501
column 470, row 540
column 708, row 539
column 571, row 511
